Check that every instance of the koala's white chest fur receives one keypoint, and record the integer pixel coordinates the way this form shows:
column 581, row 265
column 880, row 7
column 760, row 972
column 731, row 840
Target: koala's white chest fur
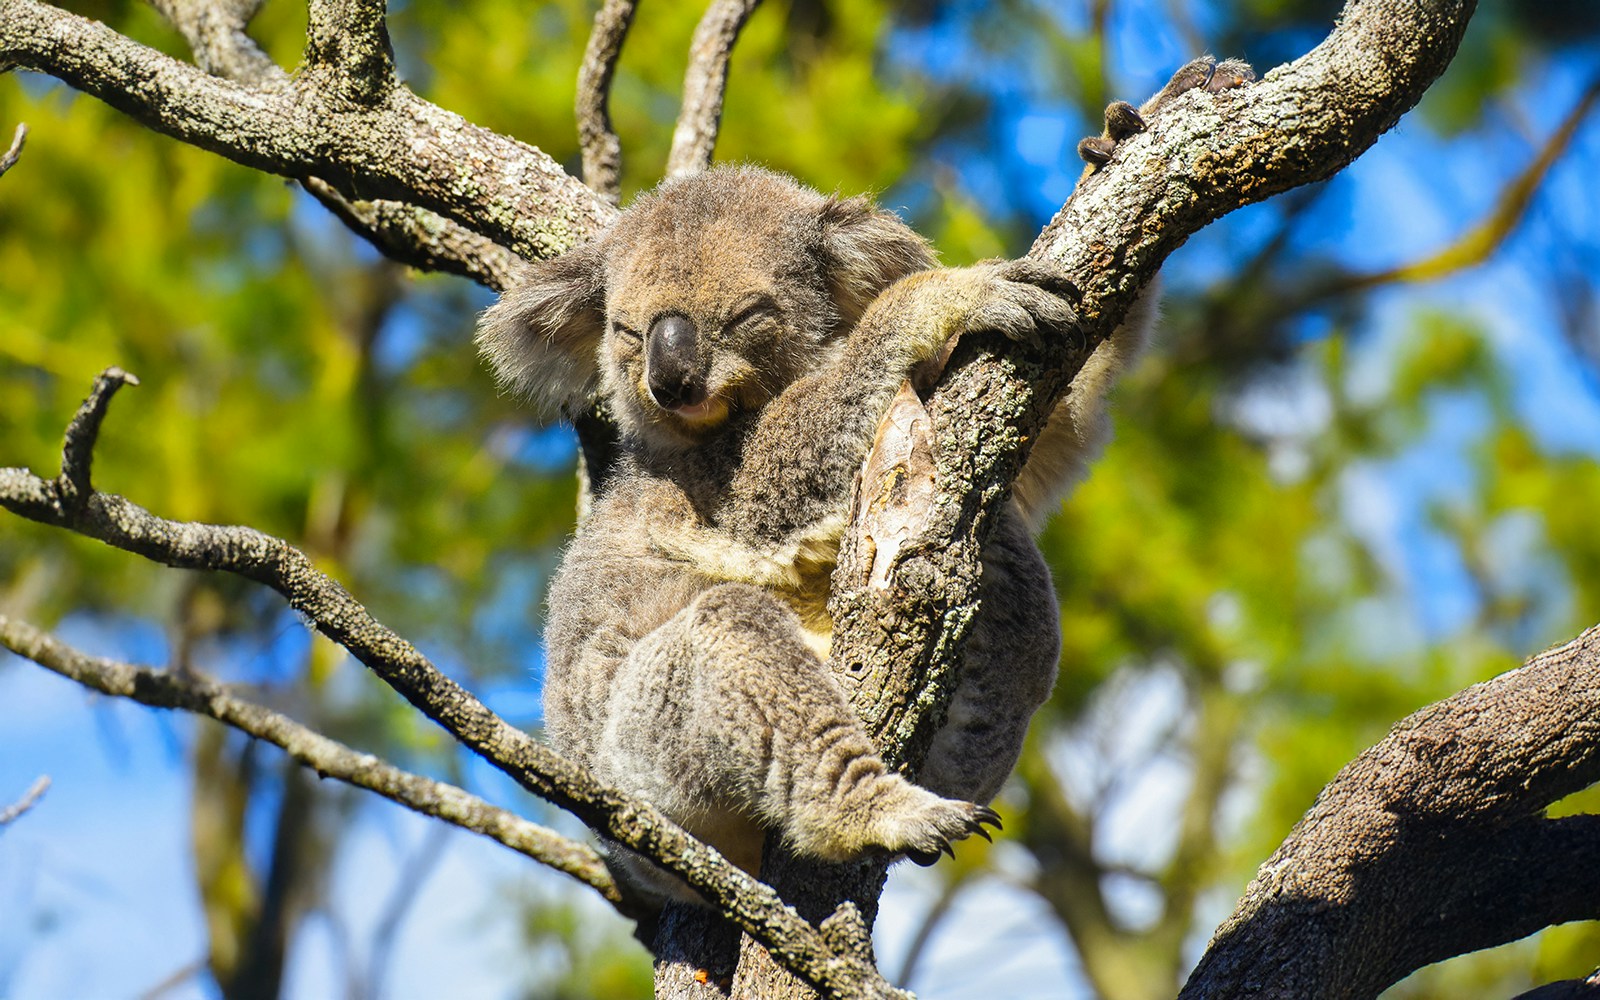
column 799, row 571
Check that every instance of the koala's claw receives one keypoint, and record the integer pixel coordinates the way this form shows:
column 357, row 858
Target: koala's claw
column 1228, row 74
column 969, row 819
column 1030, row 301
column 986, row 815
column 1123, row 120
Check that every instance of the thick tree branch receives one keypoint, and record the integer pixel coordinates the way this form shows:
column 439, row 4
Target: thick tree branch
column 1430, row 844
column 896, row 646
column 201, row 695
column 602, row 150
column 401, row 148
column 70, row 502
column 704, row 85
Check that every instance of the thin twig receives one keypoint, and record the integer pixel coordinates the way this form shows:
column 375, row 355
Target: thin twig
column 29, row 799
column 602, row 150
column 197, row 693
column 77, row 453
column 19, row 138
column 704, row 85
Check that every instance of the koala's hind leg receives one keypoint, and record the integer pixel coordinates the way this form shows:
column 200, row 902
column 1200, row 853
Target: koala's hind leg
column 725, row 714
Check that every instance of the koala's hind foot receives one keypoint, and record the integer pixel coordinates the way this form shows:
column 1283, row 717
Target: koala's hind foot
column 1123, row 120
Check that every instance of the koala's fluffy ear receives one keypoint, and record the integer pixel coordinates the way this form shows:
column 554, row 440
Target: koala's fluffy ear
column 865, row 250
column 543, row 337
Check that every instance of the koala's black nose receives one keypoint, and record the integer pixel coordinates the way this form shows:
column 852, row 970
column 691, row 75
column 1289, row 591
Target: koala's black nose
column 672, row 362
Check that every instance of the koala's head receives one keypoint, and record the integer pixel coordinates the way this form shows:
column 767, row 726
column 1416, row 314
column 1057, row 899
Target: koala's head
column 705, row 299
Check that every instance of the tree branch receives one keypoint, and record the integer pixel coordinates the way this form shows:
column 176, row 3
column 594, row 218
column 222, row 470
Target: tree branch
column 215, row 32
column 10, row 814
column 70, row 502
column 602, row 150
column 9, row 158
column 192, row 692
column 1430, row 844
column 704, row 85
column 347, row 47
column 401, row 148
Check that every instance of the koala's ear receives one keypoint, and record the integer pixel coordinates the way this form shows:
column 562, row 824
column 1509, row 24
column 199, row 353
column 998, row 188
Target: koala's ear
column 866, row 249
column 543, row 337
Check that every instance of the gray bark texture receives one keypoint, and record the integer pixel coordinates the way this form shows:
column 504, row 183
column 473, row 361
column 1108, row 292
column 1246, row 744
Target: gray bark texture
column 1433, row 843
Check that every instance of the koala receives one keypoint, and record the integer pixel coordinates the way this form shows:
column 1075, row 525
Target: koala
column 747, row 334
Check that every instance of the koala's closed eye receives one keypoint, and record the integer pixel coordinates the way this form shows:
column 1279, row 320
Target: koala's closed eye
column 762, row 309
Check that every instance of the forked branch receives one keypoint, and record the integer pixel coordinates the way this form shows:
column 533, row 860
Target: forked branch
column 192, row 692
column 215, row 31
column 70, row 501
column 399, row 148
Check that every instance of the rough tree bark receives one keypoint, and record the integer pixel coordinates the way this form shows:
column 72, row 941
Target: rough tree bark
column 1459, row 788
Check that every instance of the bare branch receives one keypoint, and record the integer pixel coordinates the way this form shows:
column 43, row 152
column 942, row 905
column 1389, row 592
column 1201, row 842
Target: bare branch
column 704, row 85
column 347, row 46
column 77, row 453
column 1430, row 844
column 602, row 150
column 215, row 32
column 402, row 149
column 10, row 814
column 201, row 695
column 19, row 138
column 418, row 237
column 753, row 907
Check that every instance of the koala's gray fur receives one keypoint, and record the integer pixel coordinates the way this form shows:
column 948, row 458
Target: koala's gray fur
column 747, row 334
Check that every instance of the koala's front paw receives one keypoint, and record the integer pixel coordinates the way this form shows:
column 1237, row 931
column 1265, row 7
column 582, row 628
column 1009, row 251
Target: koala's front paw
column 924, row 835
column 1123, row 119
column 1025, row 300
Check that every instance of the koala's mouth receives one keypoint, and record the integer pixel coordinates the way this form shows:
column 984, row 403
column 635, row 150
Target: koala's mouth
column 710, row 410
